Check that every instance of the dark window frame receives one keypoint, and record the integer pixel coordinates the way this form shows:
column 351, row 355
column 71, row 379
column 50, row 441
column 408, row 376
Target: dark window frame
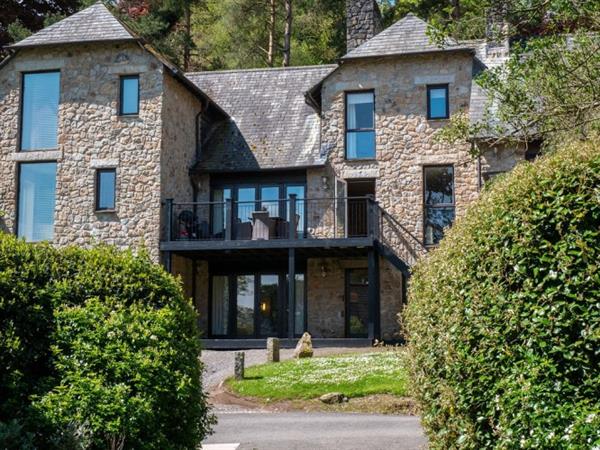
column 122, row 78
column 347, row 286
column 444, row 86
column 348, row 130
column 232, row 276
column 97, row 207
column 21, row 101
column 258, row 195
column 437, row 205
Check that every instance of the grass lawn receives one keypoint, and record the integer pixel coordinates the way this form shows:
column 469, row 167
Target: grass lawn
column 354, row 375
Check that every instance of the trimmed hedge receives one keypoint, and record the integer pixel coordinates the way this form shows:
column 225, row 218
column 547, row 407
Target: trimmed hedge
column 503, row 318
column 96, row 347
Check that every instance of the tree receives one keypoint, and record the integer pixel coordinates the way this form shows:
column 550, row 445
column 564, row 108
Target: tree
column 287, row 34
column 549, row 86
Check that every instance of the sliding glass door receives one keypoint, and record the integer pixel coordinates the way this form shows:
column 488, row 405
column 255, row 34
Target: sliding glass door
column 255, row 305
column 245, row 300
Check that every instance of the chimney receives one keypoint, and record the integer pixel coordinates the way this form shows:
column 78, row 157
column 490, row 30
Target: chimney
column 363, row 21
column 497, row 32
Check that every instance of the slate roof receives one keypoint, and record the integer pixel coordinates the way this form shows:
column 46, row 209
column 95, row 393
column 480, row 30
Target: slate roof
column 93, row 24
column 407, row 36
column 271, row 124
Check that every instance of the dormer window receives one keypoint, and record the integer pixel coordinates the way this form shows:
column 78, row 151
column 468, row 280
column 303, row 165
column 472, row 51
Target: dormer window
column 39, row 110
column 129, row 102
column 437, row 102
column 360, row 125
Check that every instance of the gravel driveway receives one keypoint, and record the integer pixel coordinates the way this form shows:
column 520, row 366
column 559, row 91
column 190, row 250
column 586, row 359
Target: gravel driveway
column 218, row 364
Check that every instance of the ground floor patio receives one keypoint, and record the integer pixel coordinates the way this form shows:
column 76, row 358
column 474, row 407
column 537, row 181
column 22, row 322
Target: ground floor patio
column 340, row 299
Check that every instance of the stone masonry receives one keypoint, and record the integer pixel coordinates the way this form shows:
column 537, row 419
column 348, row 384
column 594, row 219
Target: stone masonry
column 363, row 21
column 151, row 156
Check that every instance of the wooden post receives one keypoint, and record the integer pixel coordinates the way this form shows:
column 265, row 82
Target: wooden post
column 272, row 349
column 239, row 365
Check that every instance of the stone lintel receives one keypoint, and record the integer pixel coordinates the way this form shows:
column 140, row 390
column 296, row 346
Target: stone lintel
column 128, row 69
column 39, row 64
column 363, row 172
column 46, row 155
column 434, row 79
column 104, row 163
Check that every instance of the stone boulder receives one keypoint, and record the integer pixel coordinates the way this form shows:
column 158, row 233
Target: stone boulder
column 332, row 398
column 304, row 347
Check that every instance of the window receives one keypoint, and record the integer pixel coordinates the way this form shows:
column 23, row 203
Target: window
column 105, row 189
column 360, row 125
column 439, row 201
column 130, row 95
column 37, row 197
column 437, row 102
column 39, row 110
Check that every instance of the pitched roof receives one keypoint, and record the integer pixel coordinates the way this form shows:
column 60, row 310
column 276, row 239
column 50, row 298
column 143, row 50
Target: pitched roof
column 407, row 36
column 95, row 23
column 271, row 124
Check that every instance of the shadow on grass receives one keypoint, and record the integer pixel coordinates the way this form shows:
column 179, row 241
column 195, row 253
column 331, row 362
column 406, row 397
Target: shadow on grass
column 252, row 378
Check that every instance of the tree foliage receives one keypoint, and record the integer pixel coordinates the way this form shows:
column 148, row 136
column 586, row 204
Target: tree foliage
column 235, row 33
column 503, row 318
column 548, row 89
column 99, row 349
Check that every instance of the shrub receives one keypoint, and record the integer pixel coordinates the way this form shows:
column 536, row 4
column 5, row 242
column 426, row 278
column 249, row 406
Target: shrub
column 503, row 319
column 102, row 349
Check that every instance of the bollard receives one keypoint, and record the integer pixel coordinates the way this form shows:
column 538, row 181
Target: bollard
column 273, row 349
column 239, row 366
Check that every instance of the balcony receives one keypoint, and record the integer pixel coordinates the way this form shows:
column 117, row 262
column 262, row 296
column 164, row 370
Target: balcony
column 340, row 222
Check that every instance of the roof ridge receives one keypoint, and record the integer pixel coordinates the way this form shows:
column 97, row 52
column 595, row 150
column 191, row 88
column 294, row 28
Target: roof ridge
column 96, row 23
column 264, row 69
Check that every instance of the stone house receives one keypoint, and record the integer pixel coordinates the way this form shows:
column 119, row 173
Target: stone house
column 287, row 199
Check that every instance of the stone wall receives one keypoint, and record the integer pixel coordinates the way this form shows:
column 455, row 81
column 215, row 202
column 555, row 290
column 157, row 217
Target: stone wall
column 404, row 137
column 326, row 291
column 184, row 268
column 92, row 135
column 391, row 301
column 363, row 21
column 179, row 145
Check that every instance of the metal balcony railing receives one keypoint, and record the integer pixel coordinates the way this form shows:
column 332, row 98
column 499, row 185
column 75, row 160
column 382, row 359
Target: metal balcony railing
column 289, row 218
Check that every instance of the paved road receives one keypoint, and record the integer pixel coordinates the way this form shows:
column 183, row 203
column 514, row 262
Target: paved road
column 317, row 431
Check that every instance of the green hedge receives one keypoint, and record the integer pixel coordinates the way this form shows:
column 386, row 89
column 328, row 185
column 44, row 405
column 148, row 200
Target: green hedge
column 503, row 319
column 96, row 346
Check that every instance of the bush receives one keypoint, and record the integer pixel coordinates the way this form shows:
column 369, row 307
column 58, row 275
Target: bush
column 101, row 349
column 503, row 319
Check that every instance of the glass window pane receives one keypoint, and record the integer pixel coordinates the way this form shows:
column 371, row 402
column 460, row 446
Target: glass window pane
column 220, row 305
column 435, row 221
column 437, row 103
column 360, row 111
column 37, row 197
column 299, row 327
column 268, row 302
column 360, row 144
column 219, row 213
column 106, row 189
column 270, row 200
column 439, row 185
column 39, row 123
column 130, row 95
column 359, row 277
column 245, row 305
column 300, row 207
column 246, row 204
